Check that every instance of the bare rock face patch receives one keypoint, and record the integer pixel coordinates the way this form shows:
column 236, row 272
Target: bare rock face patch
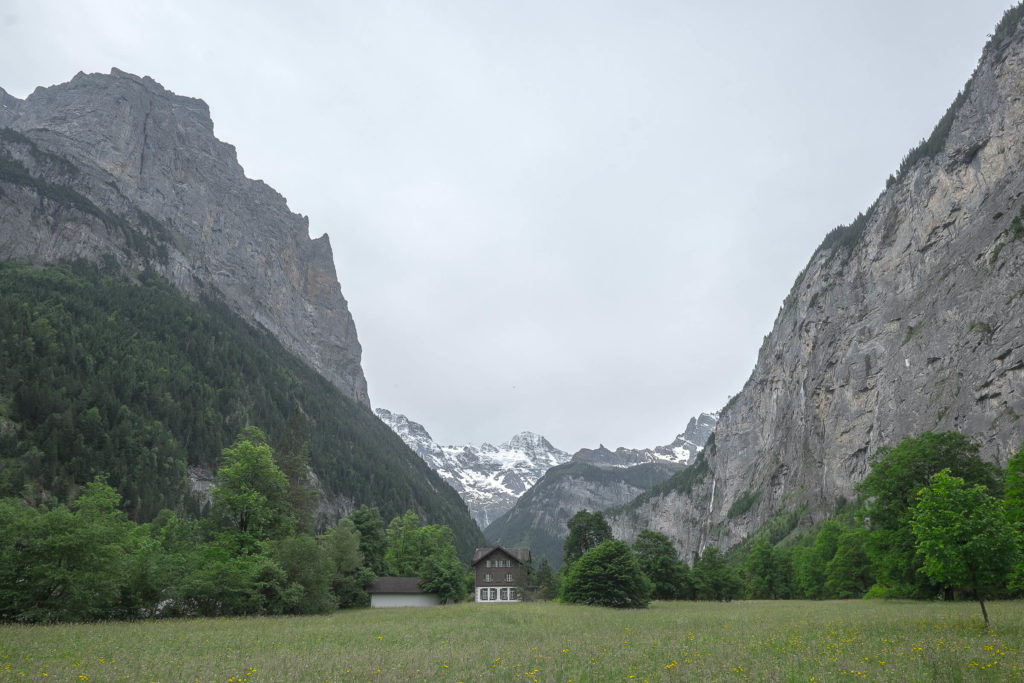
column 115, row 168
column 910, row 319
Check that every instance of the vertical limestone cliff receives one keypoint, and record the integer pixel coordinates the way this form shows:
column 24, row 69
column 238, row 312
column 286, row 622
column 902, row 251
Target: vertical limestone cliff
column 115, row 166
column 909, row 319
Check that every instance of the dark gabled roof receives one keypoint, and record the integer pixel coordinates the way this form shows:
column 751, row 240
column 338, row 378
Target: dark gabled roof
column 395, row 584
column 520, row 555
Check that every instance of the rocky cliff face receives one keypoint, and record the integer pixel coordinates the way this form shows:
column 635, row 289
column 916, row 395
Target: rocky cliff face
column 910, row 319
column 115, row 167
column 489, row 478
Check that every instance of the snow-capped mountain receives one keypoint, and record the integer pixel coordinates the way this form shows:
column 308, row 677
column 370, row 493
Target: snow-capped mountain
column 595, row 479
column 489, row 478
column 684, row 447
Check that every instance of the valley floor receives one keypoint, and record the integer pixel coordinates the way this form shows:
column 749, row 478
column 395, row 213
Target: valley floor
column 767, row 641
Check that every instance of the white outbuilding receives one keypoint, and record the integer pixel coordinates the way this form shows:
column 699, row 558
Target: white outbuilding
column 400, row 591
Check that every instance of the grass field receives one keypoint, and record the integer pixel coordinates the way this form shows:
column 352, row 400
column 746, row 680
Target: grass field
column 763, row 641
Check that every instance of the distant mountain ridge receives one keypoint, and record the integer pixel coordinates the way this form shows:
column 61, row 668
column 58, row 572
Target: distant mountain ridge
column 489, row 478
column 595, row 479
column 681, row 451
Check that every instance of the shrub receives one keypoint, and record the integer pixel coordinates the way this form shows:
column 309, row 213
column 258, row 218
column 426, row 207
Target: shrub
column 608, row 576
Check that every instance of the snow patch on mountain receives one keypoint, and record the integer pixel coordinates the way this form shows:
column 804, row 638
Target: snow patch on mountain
column 489, row 478
column 680, row 451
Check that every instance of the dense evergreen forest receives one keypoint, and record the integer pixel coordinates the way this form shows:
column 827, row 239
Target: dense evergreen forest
column 128, row 379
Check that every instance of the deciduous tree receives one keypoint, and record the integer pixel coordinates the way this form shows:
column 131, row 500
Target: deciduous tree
column 548, row 585
column 848, row 574
column 659, row 561
column 252, row 492
column 373, row 540
column 349, row 573
column 1014, row 498
column 759, row 569
column 890, row 490
column 713, row 579
column 427, row 552
column 607, row 575
column 586, row 530
column 964, row 537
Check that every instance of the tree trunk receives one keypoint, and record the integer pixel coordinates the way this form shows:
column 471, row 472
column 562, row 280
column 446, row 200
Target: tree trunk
column 984, row 612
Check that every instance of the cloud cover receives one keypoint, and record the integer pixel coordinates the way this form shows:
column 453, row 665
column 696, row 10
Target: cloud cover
column 578, row 218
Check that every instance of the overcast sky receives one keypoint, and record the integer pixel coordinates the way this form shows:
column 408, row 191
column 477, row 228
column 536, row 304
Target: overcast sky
column 577, row 218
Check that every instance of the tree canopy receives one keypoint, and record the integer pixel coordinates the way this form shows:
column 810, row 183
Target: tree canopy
column 659, row 561
column 963, row 536
column 889, row 492
column 252, row 491
column 607, row 575
column 128, row 378
column 427, row 552
column 586, row 530
column 713, row 578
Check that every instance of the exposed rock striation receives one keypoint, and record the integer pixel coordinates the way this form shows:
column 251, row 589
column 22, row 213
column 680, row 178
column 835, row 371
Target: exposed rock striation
column 116, row 169
column 909, row 319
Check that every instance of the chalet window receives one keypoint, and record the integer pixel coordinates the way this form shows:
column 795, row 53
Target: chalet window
column 504, row 594
column 488, row 578
column 488, row 564
column 513, row 594
column 494, row 594
column 508, row 577
column 483, row 593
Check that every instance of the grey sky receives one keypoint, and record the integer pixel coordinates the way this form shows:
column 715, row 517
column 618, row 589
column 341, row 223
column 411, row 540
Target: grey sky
column 578, row 218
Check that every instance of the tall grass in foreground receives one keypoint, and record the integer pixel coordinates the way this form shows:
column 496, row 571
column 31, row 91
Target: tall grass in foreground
column 773, row 641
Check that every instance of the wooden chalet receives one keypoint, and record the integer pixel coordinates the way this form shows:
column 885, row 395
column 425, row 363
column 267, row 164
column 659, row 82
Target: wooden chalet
column 500, row 574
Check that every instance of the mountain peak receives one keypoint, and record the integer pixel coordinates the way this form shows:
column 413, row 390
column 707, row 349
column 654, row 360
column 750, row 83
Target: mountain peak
column 489, row 478
column 147, row 161
column 680, row 451
column 528, row 441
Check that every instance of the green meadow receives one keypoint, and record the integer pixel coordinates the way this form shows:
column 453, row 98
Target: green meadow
column 753, row 640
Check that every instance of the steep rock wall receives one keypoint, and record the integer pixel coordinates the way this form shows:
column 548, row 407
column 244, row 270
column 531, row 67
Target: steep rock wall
column 910, row 320
column 162, row 192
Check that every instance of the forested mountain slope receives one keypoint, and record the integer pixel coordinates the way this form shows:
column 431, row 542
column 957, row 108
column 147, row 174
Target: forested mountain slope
column 109, row 369
column 909, row 319
column 128, row 378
